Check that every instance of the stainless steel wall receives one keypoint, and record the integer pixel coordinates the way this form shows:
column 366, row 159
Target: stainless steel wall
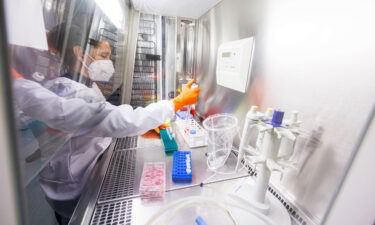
column 169, row 56
column 316, row 57
column 185, row 51
column 179, row 52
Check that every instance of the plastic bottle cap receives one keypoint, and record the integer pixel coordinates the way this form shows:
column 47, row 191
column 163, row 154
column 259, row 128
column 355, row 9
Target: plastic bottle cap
column 294, row 117
column 277, row 118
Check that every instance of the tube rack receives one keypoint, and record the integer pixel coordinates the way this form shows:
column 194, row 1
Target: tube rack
column 193, row 133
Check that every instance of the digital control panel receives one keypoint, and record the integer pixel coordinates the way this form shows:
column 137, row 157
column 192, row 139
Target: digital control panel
column 233, row 67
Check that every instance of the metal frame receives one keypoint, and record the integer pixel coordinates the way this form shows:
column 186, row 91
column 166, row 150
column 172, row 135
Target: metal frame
column 12, row 188
column 126, row 90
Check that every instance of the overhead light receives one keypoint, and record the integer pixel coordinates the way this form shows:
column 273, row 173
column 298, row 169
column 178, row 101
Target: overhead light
column 112, row 9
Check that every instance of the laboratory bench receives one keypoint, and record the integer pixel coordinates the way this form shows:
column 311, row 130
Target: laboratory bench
column 111, row 195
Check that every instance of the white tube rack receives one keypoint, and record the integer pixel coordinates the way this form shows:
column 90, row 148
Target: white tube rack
column 198, row 139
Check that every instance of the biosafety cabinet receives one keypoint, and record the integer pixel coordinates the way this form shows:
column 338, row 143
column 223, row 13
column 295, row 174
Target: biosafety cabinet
column 310, row 56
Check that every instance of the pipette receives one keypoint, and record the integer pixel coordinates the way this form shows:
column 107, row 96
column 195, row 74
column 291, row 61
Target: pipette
column 194, row 86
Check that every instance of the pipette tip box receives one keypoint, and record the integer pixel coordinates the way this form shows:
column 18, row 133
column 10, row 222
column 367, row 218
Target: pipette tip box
column 182, row 167
column 169, row 142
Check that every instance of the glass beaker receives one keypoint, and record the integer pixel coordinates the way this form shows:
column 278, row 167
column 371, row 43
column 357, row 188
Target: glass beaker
column 221, row 129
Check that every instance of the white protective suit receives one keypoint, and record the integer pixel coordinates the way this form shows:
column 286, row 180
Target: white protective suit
column 92, row 122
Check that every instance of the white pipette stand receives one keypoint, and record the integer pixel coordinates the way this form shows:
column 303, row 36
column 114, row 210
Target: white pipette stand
column 266, row 159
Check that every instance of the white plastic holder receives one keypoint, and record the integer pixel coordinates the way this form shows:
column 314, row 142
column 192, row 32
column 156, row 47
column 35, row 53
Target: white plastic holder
column 253, row 193
column 195, row 139
column 265, row 156
column 252, row 118
column 271, row 207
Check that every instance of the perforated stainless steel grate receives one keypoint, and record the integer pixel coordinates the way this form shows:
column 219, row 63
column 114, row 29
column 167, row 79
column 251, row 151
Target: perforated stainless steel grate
column 296, row 215
column 126, row 142
column 113, row 213
column 119, row 180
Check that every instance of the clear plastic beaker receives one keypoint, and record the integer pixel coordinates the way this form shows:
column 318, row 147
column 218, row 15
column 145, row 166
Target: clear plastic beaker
column 221, row 129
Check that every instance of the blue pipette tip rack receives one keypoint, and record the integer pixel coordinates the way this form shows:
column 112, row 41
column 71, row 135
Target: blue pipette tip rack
column 182, row 171
column 170, row 144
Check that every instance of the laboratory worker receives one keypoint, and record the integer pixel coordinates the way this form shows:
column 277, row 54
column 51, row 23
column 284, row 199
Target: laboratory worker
column 94, row 68
column 92, row 123
column 100, row 65
column 101, row 70
column 74, row 108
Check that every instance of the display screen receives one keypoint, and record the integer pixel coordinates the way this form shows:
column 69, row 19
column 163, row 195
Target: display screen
column 226, row 54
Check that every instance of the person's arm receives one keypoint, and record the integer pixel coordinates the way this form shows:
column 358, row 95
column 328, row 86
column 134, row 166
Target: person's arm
column 120, row 121
column 93, row 119
column 123, row 120
column 56, row 112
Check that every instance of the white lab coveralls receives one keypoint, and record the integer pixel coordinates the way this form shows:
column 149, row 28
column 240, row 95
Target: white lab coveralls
column 91, row 121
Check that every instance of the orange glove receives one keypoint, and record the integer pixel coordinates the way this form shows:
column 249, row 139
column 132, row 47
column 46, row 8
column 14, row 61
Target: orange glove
column 161, row 127
column 188, row 96
column 15, row 74
column 154, row 134
column 151, row 134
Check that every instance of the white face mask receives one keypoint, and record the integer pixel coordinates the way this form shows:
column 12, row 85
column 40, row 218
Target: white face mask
column 101, row 70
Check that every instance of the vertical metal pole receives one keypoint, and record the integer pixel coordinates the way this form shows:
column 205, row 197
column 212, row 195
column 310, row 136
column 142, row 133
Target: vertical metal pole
column 163, row 58
column 126, row 89
column 12, row 209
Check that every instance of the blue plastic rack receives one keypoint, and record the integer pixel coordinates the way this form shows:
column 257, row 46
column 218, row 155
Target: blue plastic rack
column 182, row 167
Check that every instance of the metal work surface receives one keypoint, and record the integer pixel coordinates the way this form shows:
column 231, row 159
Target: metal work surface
column 119, row 201
column 119, row 187
column 153, row 151
column 124, row 173
column 143, row 210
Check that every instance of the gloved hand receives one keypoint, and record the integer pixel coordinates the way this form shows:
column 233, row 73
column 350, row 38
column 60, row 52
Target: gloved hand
column 161, row 127
column 15, row 74
column 188, row 96
column 154, row 134
column 151, row 134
